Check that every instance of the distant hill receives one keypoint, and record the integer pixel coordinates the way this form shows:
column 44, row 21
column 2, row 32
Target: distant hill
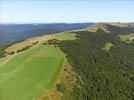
column 131, row 24
column 10, row 33
column 116, row 28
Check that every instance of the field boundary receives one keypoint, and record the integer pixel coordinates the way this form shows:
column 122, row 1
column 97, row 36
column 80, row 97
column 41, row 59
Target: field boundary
column 10, row 74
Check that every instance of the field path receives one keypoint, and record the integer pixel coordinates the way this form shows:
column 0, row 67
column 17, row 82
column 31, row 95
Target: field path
column 10, row 74
column 8, row 60
column 2, row 63
column 37, row 84
column 34, row 75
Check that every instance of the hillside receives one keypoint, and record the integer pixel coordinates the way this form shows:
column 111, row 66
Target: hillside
column 122, row 28
column 105, row 74
column 91, row 63
column 11, row 33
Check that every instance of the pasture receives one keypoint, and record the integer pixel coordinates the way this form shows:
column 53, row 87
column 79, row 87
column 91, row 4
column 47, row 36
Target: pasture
column 65, row 36
column 30, row 73
column 127, row 38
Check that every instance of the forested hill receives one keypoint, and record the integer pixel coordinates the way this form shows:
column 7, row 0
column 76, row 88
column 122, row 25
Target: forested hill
column 103, row 61
column 10, row 33
column 115, row 28
column 100, row 58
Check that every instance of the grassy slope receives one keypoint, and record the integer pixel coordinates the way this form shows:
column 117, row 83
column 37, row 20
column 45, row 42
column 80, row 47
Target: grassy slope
column 127, row 38
column 30, row 73
column 65, row 36
column 2, row 60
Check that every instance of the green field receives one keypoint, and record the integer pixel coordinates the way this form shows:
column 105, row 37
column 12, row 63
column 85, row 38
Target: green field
column 30, row 73
column 127, row 38
column 65, row 36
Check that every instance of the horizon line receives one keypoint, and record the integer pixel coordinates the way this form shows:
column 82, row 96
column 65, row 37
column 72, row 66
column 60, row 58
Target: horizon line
column 65, row 22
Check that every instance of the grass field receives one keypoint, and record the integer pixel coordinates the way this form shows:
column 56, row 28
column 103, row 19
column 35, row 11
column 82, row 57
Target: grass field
column 30, row 73
column 65, row 36
column 127, row 38
column 4, row 59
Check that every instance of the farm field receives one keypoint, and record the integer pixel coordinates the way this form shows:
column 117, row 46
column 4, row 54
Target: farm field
column 30, row 73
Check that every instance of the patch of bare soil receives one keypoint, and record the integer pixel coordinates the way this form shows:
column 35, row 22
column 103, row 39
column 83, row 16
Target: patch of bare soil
column 67, row 76
column 51, row 95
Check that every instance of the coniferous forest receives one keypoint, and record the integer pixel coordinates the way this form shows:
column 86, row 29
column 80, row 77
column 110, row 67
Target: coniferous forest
column 106, row 75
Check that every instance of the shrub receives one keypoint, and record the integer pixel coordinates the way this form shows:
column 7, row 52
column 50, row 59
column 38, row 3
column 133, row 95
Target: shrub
column 61, row 87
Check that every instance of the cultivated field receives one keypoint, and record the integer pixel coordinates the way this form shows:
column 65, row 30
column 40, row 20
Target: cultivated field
column 30, row 73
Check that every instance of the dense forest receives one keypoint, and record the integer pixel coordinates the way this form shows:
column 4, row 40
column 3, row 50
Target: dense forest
column 106, row 75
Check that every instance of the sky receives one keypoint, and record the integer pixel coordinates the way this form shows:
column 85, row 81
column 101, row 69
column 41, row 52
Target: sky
column 66, row 11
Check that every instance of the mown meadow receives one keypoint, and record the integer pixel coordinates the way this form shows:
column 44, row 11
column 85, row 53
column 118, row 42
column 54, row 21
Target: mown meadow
column 30, row 73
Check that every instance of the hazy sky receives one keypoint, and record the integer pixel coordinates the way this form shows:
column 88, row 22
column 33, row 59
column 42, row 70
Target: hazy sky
column 70, row 11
